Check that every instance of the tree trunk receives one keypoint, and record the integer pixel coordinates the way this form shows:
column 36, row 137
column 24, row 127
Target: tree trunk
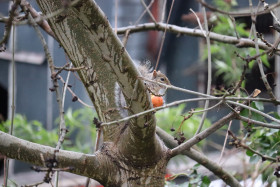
column 137, row 156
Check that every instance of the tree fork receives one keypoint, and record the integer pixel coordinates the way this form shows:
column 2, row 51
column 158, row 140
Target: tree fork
column 88, row 39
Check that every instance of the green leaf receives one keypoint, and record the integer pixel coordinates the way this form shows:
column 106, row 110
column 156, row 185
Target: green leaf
column 205, row 181
column 196, row 166
column 259, row 105
column 265, row 60
column 249, row 153
column 254, row 159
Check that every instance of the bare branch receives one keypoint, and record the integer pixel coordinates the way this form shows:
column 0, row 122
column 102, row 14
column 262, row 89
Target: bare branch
column 266, row 7
column 200, row 158
column 36, row 15
column 224, row 146
column 153, row 110
column 257, row 123
column 8, row 25
column 242, row 42
column 144, row 12
column 32, row 153
column 260, row 64
column 202, row 135
column 227, row 100
column 199, row 23
column 148, row 10
column 209, row 69
column 238, row 14
column 74, row 96
column 11, row 128
column 238, row 143
column 217, row 125
column 62, row 126
column 164, row 34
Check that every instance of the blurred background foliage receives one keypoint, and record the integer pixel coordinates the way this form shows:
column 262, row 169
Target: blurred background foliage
column 82, row 132
column 227, row 65
column 80, row 138
column 170, row 120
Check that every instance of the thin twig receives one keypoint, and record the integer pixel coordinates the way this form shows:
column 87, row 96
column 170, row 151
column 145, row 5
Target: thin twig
column 268, row 51
column 164, row 34
column 255, row 110
column 260, row 64
column 156, row 109
column 74, row 96
column 202, row 135
column 36, row 15
column 65, row 87
column 192, row 100
column 224, row 146
column 209, row 69
column 214, row 127
column 163, row 11
column 238, row 143
column 144, row 12
column 237, row 14
column 209, row 96
column 8, row 25
column 234, row 26
column 266, row 7
column 51, row 15
column 209, row 108
column 63, row 120
column 243, row 74
column 148, row 10
column 125, row 38
column 6, row 160
column 62, row 127
column 199, row 23
column 258, row 123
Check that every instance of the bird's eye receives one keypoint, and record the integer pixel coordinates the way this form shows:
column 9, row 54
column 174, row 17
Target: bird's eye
column 162, row 79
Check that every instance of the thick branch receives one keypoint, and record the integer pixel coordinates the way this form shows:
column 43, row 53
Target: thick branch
column 87, row 165
column 242, row 42
column 200, row 158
